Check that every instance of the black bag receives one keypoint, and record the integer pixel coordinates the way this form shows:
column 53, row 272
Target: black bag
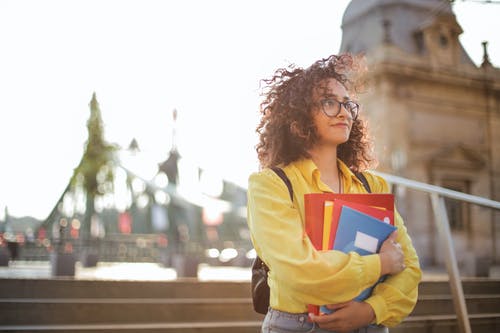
column 260, row 288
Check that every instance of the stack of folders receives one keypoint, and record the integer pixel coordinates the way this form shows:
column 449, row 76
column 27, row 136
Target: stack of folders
column 348, row 222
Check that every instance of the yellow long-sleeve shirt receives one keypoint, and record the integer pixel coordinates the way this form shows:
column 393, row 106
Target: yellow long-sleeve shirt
column 299, row 274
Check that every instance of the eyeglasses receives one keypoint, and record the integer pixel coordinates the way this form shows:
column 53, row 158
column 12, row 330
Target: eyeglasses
column 331, row 107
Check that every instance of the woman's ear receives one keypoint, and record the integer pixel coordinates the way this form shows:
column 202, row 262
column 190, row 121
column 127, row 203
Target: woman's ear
column 295, row 128
column 300, row 132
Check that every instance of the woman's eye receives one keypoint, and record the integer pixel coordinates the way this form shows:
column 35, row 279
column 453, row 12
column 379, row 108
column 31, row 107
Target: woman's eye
column 328, row 102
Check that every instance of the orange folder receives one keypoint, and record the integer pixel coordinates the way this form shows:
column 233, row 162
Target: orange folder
column 327, row 224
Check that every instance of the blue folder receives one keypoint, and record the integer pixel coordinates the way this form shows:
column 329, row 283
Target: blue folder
column 362, row 234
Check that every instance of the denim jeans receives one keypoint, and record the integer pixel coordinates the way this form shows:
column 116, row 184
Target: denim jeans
column 283, row 322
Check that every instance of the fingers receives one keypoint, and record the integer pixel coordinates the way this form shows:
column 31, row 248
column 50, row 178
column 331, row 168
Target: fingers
column 393, row 236
column 323, row 319
column 353, row 315
column 396, row 244
column 403, row 265
column 392, row 256
column 392, row 240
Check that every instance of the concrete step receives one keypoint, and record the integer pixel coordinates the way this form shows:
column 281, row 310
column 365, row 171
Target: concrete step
column 136, row 310
column 480, row 323
column 187, row 305
column 443, row 304
column 69, row 288
column 81, row 311
column 162, row 327
column 184, row 288
column 469, row 285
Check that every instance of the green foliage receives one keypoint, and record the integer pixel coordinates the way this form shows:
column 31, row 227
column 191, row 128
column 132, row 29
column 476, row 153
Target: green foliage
column 95, row 171
column 96, row 166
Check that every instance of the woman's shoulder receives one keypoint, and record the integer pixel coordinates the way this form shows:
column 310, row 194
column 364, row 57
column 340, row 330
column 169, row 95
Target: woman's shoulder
column 267, row 180
column 265, row 175
column 377, row 183
column 262, row 173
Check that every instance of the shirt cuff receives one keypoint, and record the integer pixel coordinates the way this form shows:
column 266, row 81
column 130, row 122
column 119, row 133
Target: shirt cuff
column 378, row 305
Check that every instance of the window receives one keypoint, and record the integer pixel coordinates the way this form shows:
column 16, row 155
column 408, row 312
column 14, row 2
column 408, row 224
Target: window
column 419, row 40
column 458, row 211
column 443, row 41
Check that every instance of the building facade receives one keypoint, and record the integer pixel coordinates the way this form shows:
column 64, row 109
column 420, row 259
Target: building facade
column 435, row 118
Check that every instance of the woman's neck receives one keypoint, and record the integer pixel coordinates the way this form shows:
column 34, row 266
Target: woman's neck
column 325, row 159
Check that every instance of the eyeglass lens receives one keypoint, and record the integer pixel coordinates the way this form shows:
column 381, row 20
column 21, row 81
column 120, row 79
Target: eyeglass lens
column 332, row 107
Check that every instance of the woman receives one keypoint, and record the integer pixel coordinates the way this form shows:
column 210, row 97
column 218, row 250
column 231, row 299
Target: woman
column 311, row 130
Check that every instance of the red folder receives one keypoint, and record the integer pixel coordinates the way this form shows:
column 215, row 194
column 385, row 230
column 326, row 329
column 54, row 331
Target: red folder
column 314, row 203
column 382, row 214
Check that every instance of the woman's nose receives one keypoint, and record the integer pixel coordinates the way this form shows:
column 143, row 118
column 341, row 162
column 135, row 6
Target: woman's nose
column 344, row 113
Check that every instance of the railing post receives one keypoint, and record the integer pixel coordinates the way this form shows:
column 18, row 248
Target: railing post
column 443, row 227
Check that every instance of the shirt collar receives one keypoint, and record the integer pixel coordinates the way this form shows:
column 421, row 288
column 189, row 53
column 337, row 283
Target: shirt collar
column 308, row 169
column 349, row 176
column 310, row 172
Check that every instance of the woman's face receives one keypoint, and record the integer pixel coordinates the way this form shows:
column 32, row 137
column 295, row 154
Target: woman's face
column 332, row 130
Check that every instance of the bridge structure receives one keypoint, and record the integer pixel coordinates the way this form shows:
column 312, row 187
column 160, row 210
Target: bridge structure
column 175, row 213
column 161, row 225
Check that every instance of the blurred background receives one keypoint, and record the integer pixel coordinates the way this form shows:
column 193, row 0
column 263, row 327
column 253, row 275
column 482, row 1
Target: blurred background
column 127, row 129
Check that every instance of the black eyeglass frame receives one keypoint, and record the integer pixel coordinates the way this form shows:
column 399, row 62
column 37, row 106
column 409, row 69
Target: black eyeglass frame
column 348, row 105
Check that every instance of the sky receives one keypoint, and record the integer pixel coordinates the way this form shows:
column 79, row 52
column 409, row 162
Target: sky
column 145, row 58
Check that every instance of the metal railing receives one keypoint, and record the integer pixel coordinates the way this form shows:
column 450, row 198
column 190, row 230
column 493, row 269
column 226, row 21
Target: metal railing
column 437, row 195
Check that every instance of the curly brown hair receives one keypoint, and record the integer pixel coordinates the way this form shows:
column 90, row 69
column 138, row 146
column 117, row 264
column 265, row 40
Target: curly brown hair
column 286, row 129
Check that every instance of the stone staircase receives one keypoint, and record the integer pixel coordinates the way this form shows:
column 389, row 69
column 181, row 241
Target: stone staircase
column 186, row 306
column 435, row 312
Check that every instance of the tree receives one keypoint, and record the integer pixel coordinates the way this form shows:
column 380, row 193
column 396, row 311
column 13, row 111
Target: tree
column 96, row 167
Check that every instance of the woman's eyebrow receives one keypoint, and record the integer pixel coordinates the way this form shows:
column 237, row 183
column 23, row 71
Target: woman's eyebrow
column 337, row 97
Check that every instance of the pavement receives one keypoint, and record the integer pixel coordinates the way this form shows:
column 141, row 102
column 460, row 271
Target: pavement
column 123, row 271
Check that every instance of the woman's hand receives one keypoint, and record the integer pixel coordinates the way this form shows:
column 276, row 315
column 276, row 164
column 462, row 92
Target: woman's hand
column 391, row 256
column 347, row 316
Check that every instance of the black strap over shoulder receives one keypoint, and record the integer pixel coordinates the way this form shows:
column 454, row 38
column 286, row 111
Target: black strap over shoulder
column 363, row 180
column 288, row 184
column 285, row 179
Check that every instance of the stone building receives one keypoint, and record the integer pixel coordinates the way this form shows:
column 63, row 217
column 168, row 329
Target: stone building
column 435, row 117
